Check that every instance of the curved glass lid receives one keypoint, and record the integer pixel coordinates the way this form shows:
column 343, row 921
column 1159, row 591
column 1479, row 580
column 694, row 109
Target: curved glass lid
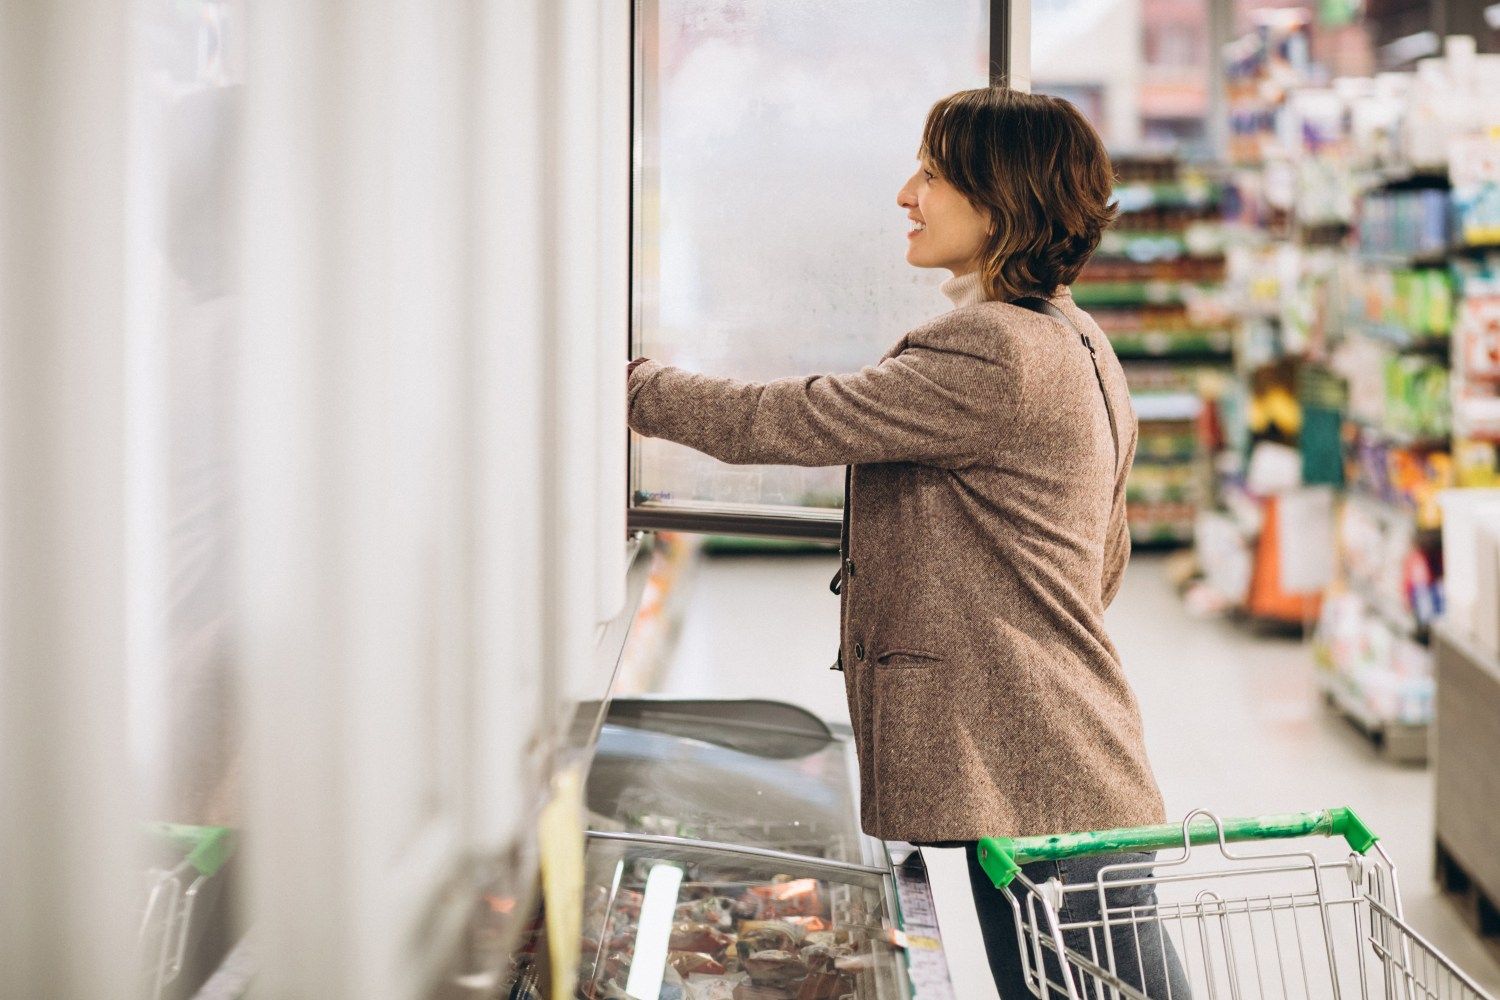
column 731, row 783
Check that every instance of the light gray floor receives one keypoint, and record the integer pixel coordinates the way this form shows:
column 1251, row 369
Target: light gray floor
column 1232, row 719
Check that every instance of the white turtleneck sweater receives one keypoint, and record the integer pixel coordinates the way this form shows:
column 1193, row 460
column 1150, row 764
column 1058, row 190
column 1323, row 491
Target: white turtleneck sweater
column 964, row 290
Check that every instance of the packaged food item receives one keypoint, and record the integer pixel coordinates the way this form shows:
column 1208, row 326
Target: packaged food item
column 796, row 898
column 768, row 935
column 688, row 963
column 717, row 911
column 708, row 987
column 808, row 925
column 825, row 986
column 828, row 937
column 692, row 937
column 780, row 969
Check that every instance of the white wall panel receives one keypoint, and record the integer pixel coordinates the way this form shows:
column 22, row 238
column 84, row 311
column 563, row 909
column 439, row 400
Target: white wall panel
column 591, row 256
column 513, row 692
column 355, row 529
column 403, row 399
column 612, row 137
column 432, row 534
column 66, row 851
column 575, row 348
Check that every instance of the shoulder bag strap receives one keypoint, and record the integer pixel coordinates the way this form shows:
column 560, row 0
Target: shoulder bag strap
column 1037, row 304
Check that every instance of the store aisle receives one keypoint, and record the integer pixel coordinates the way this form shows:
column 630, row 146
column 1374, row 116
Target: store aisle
column 1233, row 722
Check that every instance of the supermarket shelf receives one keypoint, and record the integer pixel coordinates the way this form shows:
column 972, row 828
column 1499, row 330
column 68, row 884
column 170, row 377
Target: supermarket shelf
column 1403, row 439
column 1185, row 345
column 1166, row 406
column 1121, row 254
column 1173, row 494
column 1161, row 292
column 1399, row 176
column 1393, row 510
column 1166, row 534
column 1401, row 618
column 1426, row 258
column 1206, row 357
column 1379, row 504
column 1401, row 338
column 1414, row 259
column 1166, row 460
column 1322, row 233
column 1399, row 742
column 1149, row 246
column 1140, row 196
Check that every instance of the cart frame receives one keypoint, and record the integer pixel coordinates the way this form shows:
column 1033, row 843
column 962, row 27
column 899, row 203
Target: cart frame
column 1284, row 925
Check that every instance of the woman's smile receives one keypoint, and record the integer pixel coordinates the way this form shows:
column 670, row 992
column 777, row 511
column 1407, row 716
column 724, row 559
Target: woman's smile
column 961, row 228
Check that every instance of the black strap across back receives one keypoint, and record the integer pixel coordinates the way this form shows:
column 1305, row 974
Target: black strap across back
column 1037, row 304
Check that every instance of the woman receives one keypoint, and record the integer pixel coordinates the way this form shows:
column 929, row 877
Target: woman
column 985, row 527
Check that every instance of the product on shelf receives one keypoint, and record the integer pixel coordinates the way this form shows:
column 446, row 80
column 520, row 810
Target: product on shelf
column 1476, row 355
column 1261, row 68
column 1155, row 288
column 1373, row 632
column 1376, row 672
column 1404, row 224
column 1402, row 306
column 1364, row 208
column 1404, row 478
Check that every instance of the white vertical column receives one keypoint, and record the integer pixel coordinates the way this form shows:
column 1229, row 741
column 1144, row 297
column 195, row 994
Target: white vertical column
column 356, row 531
column 511, row 186
column 296, row 203
column 613, row 23
column 67, row 830
column 577, row 409
column 591, row 256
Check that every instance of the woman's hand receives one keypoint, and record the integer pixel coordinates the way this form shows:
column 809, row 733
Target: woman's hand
column 630, row 368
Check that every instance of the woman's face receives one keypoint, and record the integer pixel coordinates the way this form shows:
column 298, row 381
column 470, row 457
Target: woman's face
column 946, row 230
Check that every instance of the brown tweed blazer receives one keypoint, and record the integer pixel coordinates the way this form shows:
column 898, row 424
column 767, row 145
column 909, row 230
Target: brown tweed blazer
column 985, row 534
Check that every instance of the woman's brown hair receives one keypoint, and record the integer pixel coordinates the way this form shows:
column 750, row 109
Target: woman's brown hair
column 1039, row 169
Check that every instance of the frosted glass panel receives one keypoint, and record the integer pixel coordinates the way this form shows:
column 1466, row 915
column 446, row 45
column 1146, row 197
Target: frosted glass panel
column 774, row 137
column 184, row 195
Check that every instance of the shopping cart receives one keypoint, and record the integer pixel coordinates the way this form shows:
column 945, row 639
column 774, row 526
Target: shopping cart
column 1275, row 925
column 197, row 854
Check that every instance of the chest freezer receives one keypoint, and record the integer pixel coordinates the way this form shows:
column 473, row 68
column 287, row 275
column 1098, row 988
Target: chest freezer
column 725, row 862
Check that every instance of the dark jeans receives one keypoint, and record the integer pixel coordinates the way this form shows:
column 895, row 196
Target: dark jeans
column 1160, row 969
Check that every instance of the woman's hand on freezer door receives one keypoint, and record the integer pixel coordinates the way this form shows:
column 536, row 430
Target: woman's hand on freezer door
column 630, row 368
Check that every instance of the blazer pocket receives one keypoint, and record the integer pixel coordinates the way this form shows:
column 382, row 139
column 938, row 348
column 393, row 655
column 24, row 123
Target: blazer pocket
column 907, row 659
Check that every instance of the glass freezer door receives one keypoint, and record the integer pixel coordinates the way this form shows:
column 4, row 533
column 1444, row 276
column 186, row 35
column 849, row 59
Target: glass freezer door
column 770, row 140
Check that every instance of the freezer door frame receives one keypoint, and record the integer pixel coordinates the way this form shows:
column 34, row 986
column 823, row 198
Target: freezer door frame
column 1009, row 64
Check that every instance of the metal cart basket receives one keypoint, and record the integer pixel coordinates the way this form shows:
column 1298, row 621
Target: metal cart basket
column 197, row 853
column 1285, row 925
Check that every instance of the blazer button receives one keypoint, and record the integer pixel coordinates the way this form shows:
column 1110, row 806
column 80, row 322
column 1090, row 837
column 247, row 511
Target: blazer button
column 859, row 651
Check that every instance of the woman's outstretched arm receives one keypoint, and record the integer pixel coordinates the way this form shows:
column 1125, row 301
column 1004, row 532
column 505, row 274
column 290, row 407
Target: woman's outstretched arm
column 925, row 404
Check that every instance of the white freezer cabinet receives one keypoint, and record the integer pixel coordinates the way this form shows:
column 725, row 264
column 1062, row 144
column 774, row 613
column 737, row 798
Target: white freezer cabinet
column 725, row 862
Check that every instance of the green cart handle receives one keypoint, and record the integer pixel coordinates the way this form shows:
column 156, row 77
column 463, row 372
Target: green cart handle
column 207, row 847
column 1002, row 857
